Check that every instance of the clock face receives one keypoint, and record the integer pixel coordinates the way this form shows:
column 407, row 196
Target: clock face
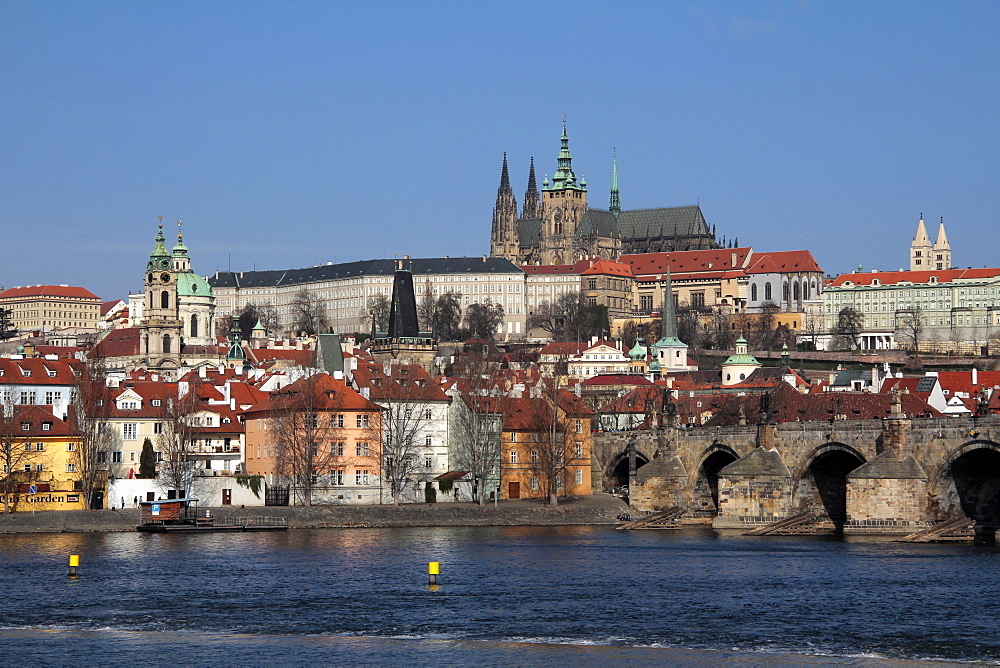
column 165, row 277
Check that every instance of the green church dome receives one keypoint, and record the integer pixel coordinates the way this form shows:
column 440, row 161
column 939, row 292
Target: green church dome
column 192, row 285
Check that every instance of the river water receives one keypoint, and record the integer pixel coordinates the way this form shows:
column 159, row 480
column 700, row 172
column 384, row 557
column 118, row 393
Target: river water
column 506, row 595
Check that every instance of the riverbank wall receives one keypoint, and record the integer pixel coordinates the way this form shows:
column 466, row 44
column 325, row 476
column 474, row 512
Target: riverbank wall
column 412, row 515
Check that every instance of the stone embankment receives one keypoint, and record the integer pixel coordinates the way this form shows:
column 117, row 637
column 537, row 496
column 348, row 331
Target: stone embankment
column 596, row 510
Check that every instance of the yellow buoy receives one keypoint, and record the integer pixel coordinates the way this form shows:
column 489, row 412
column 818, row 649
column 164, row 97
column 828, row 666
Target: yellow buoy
column 433, row 570
column 74, row 561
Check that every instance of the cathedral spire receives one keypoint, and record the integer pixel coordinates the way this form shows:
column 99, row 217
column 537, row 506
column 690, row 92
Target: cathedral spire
column 616, row 201
column 532, row 205
column 503, row 240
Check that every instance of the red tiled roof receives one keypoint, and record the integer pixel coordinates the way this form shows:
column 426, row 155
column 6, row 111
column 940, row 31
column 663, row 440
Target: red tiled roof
column 916, row 277
column 328, row 394
column 405, row 382
column 696, row 261
column 607, row 268
column 122, row 342
column 617, row 379
column 48, row 291
column 782, row 262
column 35, row 416
column 38, row 371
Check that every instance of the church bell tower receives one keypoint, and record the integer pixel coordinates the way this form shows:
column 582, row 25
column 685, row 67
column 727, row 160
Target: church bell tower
column 160, row 329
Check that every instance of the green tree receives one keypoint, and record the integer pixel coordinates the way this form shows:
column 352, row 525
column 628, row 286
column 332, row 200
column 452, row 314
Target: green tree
column 484, row 319
column 147, row 460
column 447, row 316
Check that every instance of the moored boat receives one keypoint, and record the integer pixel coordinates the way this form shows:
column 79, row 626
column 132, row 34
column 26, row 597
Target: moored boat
column 183, row 516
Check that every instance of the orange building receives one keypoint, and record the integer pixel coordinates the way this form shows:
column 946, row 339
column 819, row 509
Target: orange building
column 316, row 441
column 546, row 447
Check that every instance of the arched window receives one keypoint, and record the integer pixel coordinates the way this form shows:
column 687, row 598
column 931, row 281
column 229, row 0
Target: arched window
column 784, row 292
column 753, row 292
column 795, row 291
column 164, row 299
column 166, row 343
column 805, row 290
column 194, row 326
column 767, row 292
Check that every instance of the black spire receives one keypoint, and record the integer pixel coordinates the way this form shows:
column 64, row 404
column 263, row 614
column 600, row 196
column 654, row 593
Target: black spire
column 532, row 205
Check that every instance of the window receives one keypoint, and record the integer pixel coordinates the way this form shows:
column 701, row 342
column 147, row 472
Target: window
column 559, row 482
column 27, row 398
column 39, row 447
column 157, row 427
column 534, row 483
column 70, row 467
column 579, row 449
column 25, row 426
column 337, row 449
column 579, row 426
column 156, row 402
column 52, row 397
column 428, row 462
column 579, row 476
column 116, row 457
column 337, row 420
column 361, row 477
column 753, row 292
column 534, row 456
column 363, row 449
column 427, row 414
column 513, row 456
column 46, row 426
column 336, row 477
column 70, row 447
column 130, row 431
column 427, row 441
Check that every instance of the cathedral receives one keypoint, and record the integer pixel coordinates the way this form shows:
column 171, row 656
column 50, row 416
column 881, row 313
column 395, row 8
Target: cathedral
column 557, row 226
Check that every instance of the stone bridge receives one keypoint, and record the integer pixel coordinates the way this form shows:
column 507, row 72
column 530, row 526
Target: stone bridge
column 895, row 475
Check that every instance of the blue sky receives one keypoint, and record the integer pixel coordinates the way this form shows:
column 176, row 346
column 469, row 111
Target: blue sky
column 292, row 134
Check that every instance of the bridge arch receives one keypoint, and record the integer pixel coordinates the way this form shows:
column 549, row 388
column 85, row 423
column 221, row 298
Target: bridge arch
column 819, row 482
column 705, row 485
column 968, row 482
column 618, row 471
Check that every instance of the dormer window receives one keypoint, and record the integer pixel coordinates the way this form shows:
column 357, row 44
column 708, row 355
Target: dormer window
column 26, row 373
column 226, row 420
column 156, row 402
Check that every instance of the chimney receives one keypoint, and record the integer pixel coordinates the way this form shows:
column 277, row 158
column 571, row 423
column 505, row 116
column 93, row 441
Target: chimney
column 975, row 376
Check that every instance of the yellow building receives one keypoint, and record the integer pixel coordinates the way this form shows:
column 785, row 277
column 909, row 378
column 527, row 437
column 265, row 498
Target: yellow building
column 40, row 462
column 39, row 307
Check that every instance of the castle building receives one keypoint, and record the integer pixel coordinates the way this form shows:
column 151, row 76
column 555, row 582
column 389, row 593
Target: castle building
column 558, row 226
column 925, row 256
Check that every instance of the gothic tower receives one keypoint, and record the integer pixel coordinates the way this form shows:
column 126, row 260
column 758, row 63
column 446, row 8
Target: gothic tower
column 564, row 202
column 942, row 249
column 504, row 241
column 160, row 329
column 532, row 205
column 920, row 249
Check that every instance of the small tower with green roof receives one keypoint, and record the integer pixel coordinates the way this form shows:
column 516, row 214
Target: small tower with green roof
column 670, row 353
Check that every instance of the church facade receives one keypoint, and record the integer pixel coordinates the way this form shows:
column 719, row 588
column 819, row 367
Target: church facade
column 558, row 225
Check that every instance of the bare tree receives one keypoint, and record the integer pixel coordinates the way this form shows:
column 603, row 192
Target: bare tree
column 910, row 328
column 477, row 423
column 17, row 456
column 484, row 319
column 812, row 326
column 92, row 403
column 564, row 319
column 304, row 426
column 630, row 334
column 447, row 316
column 555, row 450
column 377, row 312
column 176, row 444
column 425, row 309
column 849, row 326
column 405, row 393
column 308, row 313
